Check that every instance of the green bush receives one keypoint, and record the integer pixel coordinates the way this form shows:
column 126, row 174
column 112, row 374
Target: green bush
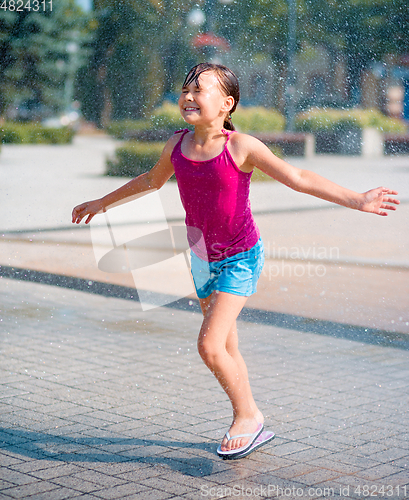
column 320, row 120
column 31, row 133
column 134, row 158
column 168, row 118
column 258, row 119
column 120, row 128
column 259, row 175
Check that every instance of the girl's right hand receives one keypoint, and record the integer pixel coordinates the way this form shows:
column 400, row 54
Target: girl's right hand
column 89, row 208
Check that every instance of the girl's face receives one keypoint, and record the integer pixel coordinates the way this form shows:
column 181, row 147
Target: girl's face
column 205, row 103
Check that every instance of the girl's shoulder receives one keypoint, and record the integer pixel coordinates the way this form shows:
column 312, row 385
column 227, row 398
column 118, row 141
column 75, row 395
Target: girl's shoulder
column 244, row 143
column 177, row 135
column 173, row 139
column 171, row 143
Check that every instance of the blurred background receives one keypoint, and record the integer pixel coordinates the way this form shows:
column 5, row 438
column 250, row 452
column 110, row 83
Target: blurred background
column 98, row 62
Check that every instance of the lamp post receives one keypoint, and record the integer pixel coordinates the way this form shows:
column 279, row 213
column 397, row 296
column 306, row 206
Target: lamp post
column 290, row 81
column 72, row 50
column 209, row 6
column 206, row 18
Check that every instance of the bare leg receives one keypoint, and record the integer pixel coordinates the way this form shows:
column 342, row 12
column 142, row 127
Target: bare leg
column 232, row 347
column 218, row 347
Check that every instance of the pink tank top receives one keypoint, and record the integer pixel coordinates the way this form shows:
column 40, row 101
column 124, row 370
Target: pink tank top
column 215, row 196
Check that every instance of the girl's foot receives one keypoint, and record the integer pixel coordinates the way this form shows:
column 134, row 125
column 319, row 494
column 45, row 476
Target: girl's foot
column 241, row 426
column 259, row 417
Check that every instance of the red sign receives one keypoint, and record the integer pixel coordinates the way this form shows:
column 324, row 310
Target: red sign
column 211, row 40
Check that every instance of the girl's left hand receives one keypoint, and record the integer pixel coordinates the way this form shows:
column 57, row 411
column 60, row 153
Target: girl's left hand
column 377, row 200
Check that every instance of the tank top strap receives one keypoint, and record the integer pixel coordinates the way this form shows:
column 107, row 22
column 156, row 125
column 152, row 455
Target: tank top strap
column 185, row 131
column 227, row 133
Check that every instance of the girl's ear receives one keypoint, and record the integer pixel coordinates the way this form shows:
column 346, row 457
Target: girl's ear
column 228, row 104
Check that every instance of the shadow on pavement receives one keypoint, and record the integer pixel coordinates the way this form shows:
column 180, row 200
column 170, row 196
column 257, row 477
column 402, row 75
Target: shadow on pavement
column 291, row 322
column 43, row 446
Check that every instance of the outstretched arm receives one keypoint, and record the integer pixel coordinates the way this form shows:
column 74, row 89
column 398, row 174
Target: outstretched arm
column 375, row 201
column 141, row 185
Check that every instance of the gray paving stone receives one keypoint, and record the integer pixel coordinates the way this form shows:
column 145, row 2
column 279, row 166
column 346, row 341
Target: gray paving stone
column 379, row 472
column 370, row 450
column 9, row 461
column 150, row 495
column 329, row 463
column 116, row 439
column 402, row 462
column 78, row 484
column 325, row 442
column 318, row 476
column 295, row 470
column 139, row 473
column 358, row 482
column 27, row 490
column 61, row 493
column 232, row 474
column 167, row 485
column 34, row 466
column 5, row 485
column 398, row 479
column 390, row 454
column 98, row 478
column 18, row 478
column 122, row 491
column 60, row 470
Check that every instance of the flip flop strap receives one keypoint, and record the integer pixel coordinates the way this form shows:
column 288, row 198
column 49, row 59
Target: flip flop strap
column 238, row 436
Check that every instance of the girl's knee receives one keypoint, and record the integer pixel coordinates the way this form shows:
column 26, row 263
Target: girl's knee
column 232, row 348
column 208, row 351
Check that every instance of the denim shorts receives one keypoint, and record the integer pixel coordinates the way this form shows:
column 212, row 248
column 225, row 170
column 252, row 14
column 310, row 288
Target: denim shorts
column 237, row 274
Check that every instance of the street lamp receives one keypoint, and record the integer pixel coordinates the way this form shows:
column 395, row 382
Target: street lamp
column 208, row 41
column 209, row 7
column 290, row 81
column 72, row 50
column 196, row 17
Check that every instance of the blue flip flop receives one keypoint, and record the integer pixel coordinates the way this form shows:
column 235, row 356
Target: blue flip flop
column 263, row 439
column 238, row 452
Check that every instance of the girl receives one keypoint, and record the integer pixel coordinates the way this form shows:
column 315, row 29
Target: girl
column 213, row 166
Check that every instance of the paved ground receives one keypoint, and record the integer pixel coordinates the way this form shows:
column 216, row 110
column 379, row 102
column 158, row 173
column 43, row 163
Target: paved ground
column 100, row 399
column 324, row 261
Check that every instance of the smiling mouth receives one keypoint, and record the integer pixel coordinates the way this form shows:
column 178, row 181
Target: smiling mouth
column 191, row 109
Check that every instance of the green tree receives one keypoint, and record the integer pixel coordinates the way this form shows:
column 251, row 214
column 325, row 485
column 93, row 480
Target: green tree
column 139, row 52
column 34, row 55
column 363, row 30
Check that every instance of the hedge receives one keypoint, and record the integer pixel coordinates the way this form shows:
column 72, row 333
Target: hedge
column 119, row 129
column 134, row 158
column 165, row 118
column 31, row 133
column 329, row 119
column 168, row 118
column 258, row 119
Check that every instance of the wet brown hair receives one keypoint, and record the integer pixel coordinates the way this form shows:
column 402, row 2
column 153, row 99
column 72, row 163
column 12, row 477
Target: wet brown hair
column 227, row 80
